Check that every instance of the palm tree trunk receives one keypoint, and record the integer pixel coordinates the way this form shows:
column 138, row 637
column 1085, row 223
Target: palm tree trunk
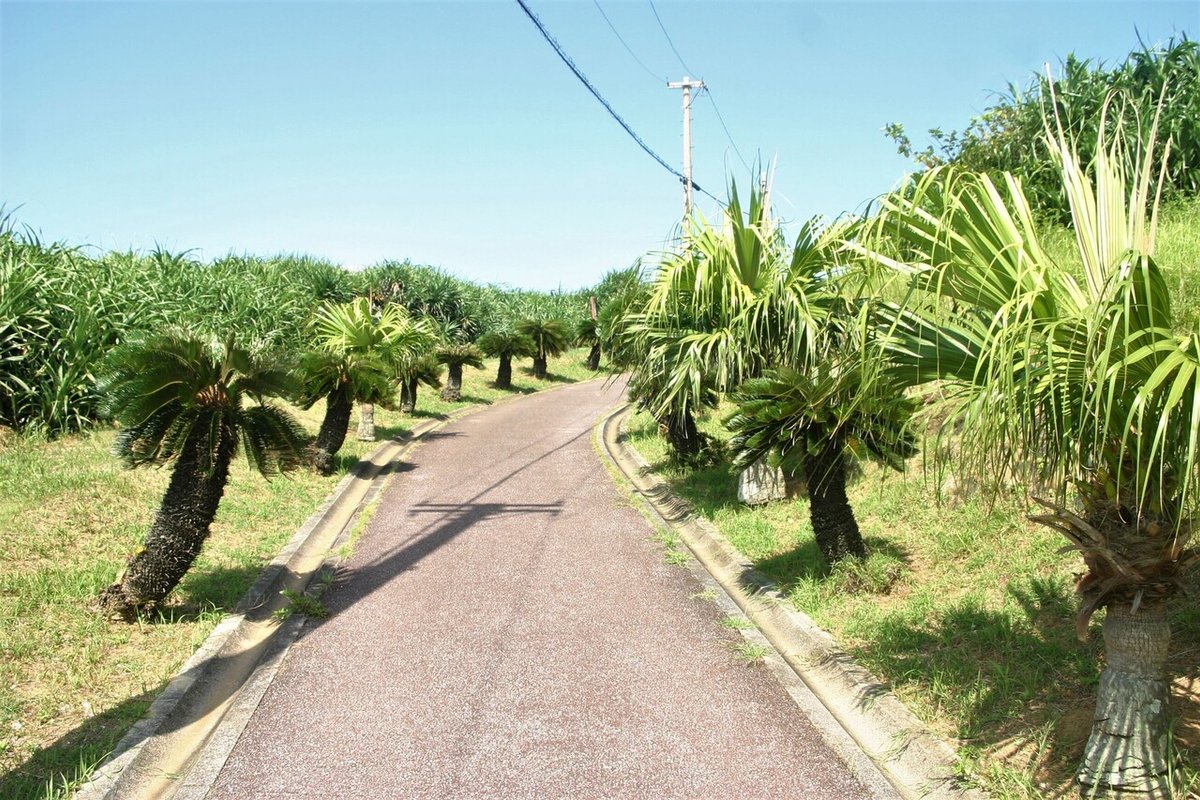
column 332, row 434
column 452, row 391
column 504, row 372
column 833, row 522
column 539, row 368
column 366, row 422
column 408, row 396
column 680, row 429
column 593, row 359
column 1129, row 748
column 178, row 531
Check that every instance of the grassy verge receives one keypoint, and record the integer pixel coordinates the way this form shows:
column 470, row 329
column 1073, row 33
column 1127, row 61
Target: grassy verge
column 964, row 607
column 71, row 683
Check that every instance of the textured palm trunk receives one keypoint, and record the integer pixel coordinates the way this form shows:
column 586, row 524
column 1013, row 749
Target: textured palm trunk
column 452, row 391
column 679, row 427
column 539, row 367
column 178, row 531
column 408, row 396
column 332, row 434
column 593, row 359
column 834, row 526
column 366, row 422
column 504, row 372
column 1128, row 751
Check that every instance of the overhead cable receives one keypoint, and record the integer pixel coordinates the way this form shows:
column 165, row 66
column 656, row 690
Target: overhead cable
column 686, row 68
column 725, row 127
column 628, row 49
column 596, row 93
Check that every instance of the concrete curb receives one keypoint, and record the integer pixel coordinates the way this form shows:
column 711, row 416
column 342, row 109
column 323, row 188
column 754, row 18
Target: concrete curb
column 161, row 746
column 915, row 762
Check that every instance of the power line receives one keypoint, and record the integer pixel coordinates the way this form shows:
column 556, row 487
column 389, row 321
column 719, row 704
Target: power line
column 725, row 127
column 629, row 49
column 596, row 93
column 686, row 68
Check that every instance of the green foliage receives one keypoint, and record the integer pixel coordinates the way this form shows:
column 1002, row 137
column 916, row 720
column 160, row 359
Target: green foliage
column 460, row 354
column 1011, row 135
column 550, row 336
column 168, row 388
column 61, row 311
column 791, row 416
column 506, row 342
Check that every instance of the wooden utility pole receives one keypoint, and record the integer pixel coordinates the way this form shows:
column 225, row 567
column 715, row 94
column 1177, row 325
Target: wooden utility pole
column 687, row 84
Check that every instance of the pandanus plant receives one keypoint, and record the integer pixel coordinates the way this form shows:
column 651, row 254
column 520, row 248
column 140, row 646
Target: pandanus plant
column 181, row 403
column 1081, row 388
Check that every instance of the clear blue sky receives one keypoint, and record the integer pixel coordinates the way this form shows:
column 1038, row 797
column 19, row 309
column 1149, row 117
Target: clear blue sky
column 451, row 134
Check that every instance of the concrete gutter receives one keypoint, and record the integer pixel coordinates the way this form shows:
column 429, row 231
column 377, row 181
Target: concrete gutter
column 917, row 763
column 247, row 646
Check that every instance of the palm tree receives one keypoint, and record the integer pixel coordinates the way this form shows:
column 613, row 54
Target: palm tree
column 817, row 424
column 550, row 338
column 505, row 345
column 1081, row 389
column 731, row 302
column 455, row 356
column 179, row 401
column 587, row 334
column 357, row 358
column 412, row 372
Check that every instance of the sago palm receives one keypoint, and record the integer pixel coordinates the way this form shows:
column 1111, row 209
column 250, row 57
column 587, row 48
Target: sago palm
column 455, row 357
column 505, row 345
column 587, row 334
column 1078, row 387
column 414, row 371
column 356, row 359
column 181, row 402
column 815, row 425
column 551, row 337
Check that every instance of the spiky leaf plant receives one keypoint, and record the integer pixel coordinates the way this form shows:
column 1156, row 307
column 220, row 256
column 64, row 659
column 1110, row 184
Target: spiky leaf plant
column 551, row 337
column 505, row 345
column 1076, row 386
column 357, row 358
column 816, row 424
column 587, row 334
column 455, row 357
column 181, row 402
column 414, row 371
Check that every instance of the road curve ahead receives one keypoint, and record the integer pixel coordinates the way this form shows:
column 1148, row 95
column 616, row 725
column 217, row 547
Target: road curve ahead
column 506, row 627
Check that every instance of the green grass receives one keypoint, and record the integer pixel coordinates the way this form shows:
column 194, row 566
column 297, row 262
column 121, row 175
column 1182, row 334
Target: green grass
column 964, row 607
column 72, row 683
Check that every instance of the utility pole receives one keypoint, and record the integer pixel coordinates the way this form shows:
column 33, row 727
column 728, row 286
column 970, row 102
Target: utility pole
column 687, row 84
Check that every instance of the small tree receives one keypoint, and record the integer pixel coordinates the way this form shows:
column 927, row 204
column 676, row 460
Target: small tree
column 587, row 334
column 179, row 401
column 414, row 371
column 816, row 425
column 550, row 337
column 455, row 356
column 505, row 345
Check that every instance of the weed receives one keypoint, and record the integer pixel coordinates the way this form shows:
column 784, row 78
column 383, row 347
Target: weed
column 749, row 653
column 736, row 623
column 300, row 603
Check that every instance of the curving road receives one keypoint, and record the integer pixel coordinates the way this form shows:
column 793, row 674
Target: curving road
column 507, row 628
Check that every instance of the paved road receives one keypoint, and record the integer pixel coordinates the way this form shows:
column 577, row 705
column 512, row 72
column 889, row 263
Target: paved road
column 507, row 628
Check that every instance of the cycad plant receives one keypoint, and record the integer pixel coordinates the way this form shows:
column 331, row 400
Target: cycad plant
column 550, row 336
column 455, row 357
column 180, row 402
column 587, row 334
column 505, row 345
column 1078, row 387
column 414, row 371
column 357, row 359
column 816, row 425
